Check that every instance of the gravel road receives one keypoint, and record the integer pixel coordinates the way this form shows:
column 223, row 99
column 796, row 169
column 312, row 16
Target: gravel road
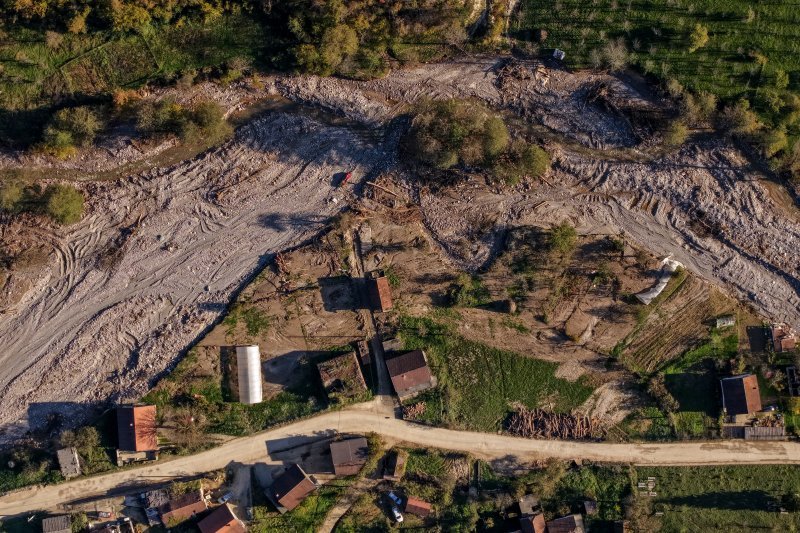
column 362, row 419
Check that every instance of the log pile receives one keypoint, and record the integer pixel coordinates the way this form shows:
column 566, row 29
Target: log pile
column 413, row 411
column 538, row 423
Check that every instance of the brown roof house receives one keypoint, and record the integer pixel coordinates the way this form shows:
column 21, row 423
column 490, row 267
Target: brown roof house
column 418, row 507
column 740, row 395
column 221, row 520
column 136, row 428
column 566, row 524
column 182, row 508
column 380, row 293
column 341, row 377
column 68, row 462
column 533, row 524
column 784, row 338
column 57, row 524
column 410, row 373
column 290, row 489
column 349, row 456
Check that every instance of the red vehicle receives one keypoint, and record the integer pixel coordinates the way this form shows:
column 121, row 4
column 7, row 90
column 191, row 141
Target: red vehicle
column 346, row 179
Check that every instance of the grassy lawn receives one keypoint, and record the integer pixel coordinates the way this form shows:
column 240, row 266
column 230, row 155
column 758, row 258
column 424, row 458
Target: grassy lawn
column 723, row 498
column 306, row 517
column 478, row 385
column 656, row 33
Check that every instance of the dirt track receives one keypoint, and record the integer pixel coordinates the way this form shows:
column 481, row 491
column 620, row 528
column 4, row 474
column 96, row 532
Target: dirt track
column 156, row 260
column 361, row 419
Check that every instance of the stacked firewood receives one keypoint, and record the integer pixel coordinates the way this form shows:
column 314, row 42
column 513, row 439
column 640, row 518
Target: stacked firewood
column 413, row 411
column 538, row 423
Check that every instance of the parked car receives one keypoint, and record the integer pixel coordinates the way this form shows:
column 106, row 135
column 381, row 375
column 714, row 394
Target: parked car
column 395, row 499
column 225, row 497
column 397, row 516
column 104, row 514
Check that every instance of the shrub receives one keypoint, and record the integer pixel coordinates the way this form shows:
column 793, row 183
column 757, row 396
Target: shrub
column 10, row 196
column 563, row 238
column 64, row 203
column 698, row 37
column 658, row 390
column 772, row 141
column 71, row 127
column 468, row 291
column 522, row 159
column 615, row 54
column 206, row 119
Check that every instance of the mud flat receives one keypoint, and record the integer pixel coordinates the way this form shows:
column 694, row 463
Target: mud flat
column 156, row 259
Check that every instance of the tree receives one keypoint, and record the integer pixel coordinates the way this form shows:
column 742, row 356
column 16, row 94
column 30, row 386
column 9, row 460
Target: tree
column 64, row 203
column 71, row 127
column 739, row 119
column 615, row 54
column 772, row 141
column 337, row 43
column 698, row 38
column 10, row 196
column 128, row 16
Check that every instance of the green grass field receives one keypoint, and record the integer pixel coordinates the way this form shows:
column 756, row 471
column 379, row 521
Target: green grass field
column 724, row 498
column 478, row 384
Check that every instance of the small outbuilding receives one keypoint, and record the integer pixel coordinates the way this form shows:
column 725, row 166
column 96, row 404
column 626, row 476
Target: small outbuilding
column 57, row 524
column 349, row 456
column 182, row 508
column 418, row 507
column 248, row 367
column 69, row 462
column 726, row 321
column 566, row 524
column 380, row 292
column 784, row 338
column 290, row 489
column 590, row 507
column 136, row 428
column 410, row 374
column 559, row 54
column 395, row 465
column 221, row 520
column 740, row 395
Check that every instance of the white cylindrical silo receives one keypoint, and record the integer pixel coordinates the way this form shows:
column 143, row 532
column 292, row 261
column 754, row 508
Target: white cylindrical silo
column 248, row 361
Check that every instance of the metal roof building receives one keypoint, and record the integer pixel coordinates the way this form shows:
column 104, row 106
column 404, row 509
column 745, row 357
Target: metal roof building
column 409, row 373
column 221, row 520
column 740, row 395
column 349, row 456
column 57, row 524
column 248, row 363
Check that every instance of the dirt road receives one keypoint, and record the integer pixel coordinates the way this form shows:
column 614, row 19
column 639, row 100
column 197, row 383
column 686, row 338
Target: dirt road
column 362, row 419
column 156, row 260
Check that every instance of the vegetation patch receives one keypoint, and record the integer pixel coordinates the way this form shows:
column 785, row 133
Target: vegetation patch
column 478, row 385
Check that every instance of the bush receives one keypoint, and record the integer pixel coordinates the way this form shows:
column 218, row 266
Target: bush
column 522, row 159
column 468, row 291
column 772, row 141
column 10, row 196
column 206, row 119
column 71, row 127
column 658, row 390
column 563, row 238
column 64, row 203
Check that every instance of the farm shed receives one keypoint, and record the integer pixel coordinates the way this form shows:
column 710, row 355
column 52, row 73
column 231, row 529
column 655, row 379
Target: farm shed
column 726, row 321
column 566, row 524
column 784, row 338
column 740, row 395
column 349, row 456
column 290, row 489
column 380, row 293
column 248, row 365
column 57, row 524
column 410, row 373
column 221, row 520
column 533, row 524
column 182, row 508
column 68, row 462
column 418, row 507
column 136, row 428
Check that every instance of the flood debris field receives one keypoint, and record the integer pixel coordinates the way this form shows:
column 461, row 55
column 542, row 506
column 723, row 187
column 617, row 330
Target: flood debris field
column 159, row 255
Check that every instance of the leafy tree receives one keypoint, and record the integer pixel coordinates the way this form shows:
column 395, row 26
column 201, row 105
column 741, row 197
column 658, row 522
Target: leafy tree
column 127, row 16
column 698, row 37
column 71, row 127
column 739, row 119
column 772, row 141
column 64, row 203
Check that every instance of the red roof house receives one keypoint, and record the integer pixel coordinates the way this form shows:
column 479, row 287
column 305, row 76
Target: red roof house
column 418, row 507
column 221, row 520
column 740, row 395
column 136, row 428
column 410, row 373
column 291, row 488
